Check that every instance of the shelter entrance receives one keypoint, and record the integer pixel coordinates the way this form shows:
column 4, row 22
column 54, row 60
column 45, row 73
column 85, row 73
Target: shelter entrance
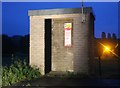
column 48, row 27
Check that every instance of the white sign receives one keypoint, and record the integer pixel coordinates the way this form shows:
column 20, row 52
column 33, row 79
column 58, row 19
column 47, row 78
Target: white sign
column 67, row 34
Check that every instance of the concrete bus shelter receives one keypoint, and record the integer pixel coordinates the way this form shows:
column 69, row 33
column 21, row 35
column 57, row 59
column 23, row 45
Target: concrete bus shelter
column 60, row 40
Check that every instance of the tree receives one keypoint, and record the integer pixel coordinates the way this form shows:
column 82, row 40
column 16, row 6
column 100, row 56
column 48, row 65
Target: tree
column 103, row 35
column 6, row 44
column 17, row 43
column 25, row 44
column 114, row 36
column 109, row 36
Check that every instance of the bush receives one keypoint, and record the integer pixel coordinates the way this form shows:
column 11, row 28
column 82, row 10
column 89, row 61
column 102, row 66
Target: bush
column 18, row 71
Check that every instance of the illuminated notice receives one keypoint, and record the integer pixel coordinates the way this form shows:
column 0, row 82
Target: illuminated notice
column 67, row 34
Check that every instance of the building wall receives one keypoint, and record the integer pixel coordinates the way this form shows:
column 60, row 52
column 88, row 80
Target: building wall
column 80, row 40
column 91, row 44
column 62, row 57
column 37, row 42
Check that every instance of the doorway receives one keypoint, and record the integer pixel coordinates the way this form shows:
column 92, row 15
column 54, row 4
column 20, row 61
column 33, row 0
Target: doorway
column 48, row 26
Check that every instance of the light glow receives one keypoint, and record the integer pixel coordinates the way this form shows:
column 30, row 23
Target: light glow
column 107, row 49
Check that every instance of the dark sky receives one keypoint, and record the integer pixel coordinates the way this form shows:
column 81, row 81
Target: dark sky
column 15, row 19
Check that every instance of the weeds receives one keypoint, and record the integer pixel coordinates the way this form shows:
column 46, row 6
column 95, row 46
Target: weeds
column 18, row 71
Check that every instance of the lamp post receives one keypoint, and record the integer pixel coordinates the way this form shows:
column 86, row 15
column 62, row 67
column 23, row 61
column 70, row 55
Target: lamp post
column 100, row 52
column 105, row 49
column 100, row 71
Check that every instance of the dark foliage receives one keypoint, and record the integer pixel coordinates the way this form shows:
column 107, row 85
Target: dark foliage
column 103, row 35
column 11, row 45
column 114, row 36
column 14, row 47
column 109, row 36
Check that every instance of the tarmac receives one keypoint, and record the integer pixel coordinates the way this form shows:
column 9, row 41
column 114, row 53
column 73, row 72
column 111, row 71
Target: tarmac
column 55, row 82
column 61, row 81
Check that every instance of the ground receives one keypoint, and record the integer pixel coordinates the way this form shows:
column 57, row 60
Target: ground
column 59, row 79
column 110, row 77
column 66, row 82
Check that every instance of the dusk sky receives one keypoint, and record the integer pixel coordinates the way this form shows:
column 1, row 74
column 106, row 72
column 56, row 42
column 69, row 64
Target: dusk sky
column 15, row 19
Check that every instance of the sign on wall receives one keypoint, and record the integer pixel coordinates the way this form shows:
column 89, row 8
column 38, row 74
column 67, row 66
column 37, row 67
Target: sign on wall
column 68, row 34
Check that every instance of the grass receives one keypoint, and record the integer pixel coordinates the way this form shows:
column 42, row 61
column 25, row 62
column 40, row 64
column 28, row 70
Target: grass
column 17, row 72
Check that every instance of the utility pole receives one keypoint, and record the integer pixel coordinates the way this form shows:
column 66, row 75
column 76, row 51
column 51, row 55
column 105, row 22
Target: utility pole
column 83, row 15
column 82, row 7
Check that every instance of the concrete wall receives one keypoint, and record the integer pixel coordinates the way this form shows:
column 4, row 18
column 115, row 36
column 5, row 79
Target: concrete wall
column 80, row 40
column 91, row 45
column 37, row 42
column 62, row 57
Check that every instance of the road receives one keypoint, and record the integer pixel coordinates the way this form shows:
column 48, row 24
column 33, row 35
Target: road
column 67, row 82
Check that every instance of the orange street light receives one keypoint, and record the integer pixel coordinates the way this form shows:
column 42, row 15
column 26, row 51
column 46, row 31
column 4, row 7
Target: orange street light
column 107, row 50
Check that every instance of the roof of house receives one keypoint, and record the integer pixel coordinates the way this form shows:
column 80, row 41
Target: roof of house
column 59, row 11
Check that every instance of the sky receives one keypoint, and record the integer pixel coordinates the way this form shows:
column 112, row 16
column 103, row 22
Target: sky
column 15, row 19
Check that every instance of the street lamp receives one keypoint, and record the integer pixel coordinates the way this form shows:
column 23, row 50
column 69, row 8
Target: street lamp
column 106, row 49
